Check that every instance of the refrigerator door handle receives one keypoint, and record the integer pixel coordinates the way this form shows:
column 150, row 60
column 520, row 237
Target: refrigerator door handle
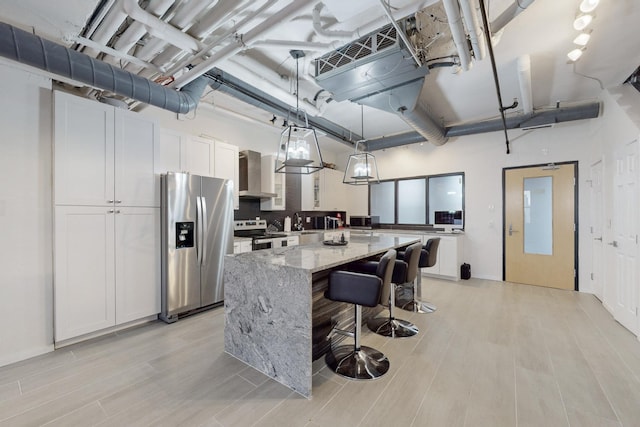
column 205, row 230
column 199, row 233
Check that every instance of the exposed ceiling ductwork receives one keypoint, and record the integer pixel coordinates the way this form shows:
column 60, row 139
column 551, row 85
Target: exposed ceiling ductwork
column 537, row 119
column 379, row 71
column 35, row 51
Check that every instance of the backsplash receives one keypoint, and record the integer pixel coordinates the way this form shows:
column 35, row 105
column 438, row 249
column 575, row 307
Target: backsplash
column 250, row 208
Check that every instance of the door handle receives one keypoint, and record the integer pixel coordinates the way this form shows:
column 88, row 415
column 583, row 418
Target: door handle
column 598, row 239
column 199, row 229
column 614, row 244
column 205, row 230
column 511, row 230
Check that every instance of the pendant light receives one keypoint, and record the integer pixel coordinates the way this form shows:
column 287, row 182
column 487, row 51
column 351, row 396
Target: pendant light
column 362, row 168
column 298, row 151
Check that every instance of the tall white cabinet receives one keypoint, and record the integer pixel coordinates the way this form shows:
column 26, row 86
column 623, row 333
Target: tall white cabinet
column 181, row 152
column 107, row 217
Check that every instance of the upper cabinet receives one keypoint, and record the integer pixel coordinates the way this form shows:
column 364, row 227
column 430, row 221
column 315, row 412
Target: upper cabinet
column 272, row 182
column 103, row 156
column 324, row 191
column 180, row 152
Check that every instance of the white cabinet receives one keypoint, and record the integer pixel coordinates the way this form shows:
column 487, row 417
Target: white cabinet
column 102, row 155
column 450, row 256
column 324, row 190
column 272, row 183
column 180, row 152
column 84, row 274
column 242, row 246
column 137, row 270
column 227, row 167
column 106, row 267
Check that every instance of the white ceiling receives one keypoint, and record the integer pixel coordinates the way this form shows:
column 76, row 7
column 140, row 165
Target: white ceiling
column 543, row 31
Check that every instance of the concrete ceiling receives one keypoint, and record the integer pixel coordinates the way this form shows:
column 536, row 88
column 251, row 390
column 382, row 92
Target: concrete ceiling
column 543, row 32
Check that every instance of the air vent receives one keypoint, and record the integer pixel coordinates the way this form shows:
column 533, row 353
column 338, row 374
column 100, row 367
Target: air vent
column 368, row 45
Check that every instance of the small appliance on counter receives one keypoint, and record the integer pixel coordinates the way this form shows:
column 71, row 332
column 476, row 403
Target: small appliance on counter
column 365, row 222
column 257, row 231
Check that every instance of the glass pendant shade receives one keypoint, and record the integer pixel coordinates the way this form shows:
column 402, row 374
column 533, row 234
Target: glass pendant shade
column 361, row 169
column 299, row 152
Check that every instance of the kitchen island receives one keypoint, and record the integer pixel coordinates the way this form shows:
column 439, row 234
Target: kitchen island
column 273, row 304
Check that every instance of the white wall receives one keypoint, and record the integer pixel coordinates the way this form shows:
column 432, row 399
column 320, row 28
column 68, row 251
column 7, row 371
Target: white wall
column 482, row 158
column 26, row 291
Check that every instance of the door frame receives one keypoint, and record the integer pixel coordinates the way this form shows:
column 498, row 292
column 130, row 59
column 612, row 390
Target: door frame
column 576, row 191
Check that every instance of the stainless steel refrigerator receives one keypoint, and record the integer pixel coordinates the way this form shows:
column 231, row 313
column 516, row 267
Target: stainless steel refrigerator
column 197, row 232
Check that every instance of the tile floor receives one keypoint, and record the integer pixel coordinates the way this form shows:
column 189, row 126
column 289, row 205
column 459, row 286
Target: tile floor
column 494, row 354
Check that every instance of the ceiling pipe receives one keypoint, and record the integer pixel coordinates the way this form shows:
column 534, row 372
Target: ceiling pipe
column 332, row 34
column 183, row 17
column 159, row 28
column 32, row 50
column 473, row 27
column 507, row 16
column 137, row 30
column 452, row 9
column 115, row 53
column 302, row 45
column 284, row 15
column 524, row 81
column 107, row 28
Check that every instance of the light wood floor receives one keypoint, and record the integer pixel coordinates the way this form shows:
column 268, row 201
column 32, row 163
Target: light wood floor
column 494, row 354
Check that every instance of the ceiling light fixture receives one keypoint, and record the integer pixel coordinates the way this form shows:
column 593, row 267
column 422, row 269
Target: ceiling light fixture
column 582, row 22
column 298, row 150
column 362, row 168
column 574, row 55
column 588, row 5
column 582, row 39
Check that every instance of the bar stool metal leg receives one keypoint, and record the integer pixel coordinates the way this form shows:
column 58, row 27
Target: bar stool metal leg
column 392, row 327
column 357, row 362
column 416, row 305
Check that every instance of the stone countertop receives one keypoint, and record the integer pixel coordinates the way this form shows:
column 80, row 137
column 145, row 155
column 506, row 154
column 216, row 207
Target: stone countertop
column 317, row 256
column 356, row 231
column 241, row 239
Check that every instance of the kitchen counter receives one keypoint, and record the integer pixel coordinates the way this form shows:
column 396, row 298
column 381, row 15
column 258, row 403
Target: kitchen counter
column 275, row 311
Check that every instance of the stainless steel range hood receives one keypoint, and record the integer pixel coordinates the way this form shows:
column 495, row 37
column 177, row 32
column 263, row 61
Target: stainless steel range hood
column 251, row 176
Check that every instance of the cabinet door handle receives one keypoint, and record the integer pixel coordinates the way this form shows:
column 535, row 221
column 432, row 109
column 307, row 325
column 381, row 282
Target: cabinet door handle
column 118, row 211
column 598, row 239
column 109, row 201
column 118, row 201
column 110, row 211
column 614, row 244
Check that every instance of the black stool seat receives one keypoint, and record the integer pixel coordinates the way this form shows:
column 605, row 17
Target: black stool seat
column 357, row 361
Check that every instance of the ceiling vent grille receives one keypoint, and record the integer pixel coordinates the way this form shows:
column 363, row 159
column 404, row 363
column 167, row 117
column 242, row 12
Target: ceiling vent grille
column 368, row 45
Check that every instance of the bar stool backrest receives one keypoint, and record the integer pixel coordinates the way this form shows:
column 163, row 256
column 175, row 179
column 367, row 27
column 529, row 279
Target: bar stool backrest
column 412, row 258
column 385, row 271
column 432, row 251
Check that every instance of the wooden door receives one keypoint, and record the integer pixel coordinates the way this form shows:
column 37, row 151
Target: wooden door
column 595, row 229
column 539, row 226
column 622, row 298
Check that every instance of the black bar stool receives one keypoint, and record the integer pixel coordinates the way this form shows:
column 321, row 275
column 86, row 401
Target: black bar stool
column 359, row 362
column 390, row 327
column 428, row 258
